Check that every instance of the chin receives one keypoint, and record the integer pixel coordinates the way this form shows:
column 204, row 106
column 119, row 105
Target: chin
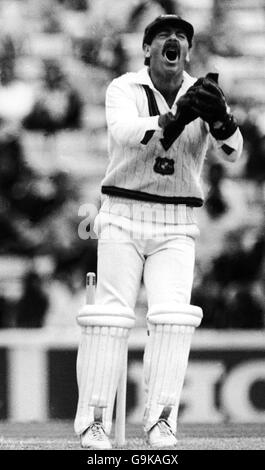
column 175, row 64
column 172, row 66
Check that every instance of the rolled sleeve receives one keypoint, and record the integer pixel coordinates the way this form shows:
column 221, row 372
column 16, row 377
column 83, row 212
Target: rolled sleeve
column 230, row 149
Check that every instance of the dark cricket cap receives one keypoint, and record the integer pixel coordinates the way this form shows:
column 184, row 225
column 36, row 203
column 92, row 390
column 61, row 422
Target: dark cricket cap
column 175, row 20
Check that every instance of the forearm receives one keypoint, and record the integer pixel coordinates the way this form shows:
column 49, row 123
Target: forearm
column 128, row 130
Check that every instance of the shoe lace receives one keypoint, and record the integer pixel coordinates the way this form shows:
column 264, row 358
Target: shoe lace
column 164, row 428
column 97, row 431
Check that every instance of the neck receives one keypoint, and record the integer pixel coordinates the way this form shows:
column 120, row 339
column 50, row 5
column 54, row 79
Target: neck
column 168, row 84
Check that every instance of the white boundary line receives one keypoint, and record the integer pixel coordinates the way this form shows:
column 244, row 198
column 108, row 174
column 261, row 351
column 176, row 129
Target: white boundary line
column 64, row 337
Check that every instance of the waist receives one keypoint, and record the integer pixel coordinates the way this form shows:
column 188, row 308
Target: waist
column 150, row 211
column 139, row 195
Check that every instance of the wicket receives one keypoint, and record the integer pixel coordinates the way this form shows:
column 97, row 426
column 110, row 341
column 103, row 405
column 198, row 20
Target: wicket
column 122, row 385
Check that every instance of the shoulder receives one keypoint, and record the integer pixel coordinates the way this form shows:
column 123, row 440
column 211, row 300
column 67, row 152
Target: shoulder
column 124, row 80
column 125, row 84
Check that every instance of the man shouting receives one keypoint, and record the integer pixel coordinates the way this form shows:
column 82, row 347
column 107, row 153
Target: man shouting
column 160, row 123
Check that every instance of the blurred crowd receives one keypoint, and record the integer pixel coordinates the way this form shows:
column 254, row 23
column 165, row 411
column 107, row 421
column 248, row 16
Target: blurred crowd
column 39, row 209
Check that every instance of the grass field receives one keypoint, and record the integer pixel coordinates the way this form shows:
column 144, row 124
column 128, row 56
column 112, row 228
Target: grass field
column 58, row 435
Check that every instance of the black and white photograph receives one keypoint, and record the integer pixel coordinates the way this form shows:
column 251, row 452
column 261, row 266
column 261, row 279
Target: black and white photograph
column 132, row 230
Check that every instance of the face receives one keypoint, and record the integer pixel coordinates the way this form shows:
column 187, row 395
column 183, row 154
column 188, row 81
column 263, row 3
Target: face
column 169, row 50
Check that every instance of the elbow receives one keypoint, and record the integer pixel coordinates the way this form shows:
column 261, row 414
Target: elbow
column 123, row 135
column 122, row 139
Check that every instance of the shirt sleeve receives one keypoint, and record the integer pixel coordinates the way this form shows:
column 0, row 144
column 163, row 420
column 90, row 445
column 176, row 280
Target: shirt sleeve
column 230, row 149
column 123, row 120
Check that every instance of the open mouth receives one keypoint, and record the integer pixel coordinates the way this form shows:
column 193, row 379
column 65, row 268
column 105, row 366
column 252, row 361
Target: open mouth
column 171, row 51
column 171, row 55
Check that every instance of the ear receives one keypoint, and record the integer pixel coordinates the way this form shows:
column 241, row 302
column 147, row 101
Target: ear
column 188, row 57
column 147, row 51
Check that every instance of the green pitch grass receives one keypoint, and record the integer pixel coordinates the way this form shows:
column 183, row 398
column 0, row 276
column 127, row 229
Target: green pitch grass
column 59, row 435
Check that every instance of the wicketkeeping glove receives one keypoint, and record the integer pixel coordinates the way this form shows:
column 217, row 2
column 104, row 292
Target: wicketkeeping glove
column 174, row 125
column 210, row 105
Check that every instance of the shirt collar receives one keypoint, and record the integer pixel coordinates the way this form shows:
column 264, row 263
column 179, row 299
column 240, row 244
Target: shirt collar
column 143, row 78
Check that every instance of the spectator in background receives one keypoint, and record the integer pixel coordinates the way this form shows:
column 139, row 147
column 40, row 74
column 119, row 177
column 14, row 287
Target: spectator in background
column 7, row 311
column 235, row 306
column 215, row 205
column 120, row 59
column 237, row 263
column 8, row 47
column 50, row 20
column 26, row 203
column 26, row 198
column 16, row 100
column 209, row 296
column 66, row 296
column 245, row 311
column 112, row 54
column 70, row 251
column 33, row 305
column 41, row 195
column 58, row 105
column 3, row 309
column 167, row 6
column 255, row 143
column 75, row 5
column 230, row 293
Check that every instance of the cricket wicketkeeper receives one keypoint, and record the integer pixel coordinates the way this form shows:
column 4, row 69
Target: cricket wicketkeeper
column 160, row 123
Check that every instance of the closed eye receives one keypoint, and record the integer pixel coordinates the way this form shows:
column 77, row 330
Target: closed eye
column 167, row 34
column 163, row 35
column 181, row 36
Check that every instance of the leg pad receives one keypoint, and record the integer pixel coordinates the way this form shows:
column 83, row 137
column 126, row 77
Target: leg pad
column 171, row 327
column 100, row 360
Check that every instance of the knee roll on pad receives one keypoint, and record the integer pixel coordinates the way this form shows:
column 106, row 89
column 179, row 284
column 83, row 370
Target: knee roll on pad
column 175, row 314
column 101, row 354
column 103, row 315
column 171, row 327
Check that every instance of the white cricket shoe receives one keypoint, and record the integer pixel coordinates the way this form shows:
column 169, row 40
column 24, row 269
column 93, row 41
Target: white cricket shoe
column 161, row 435
column 95, row 437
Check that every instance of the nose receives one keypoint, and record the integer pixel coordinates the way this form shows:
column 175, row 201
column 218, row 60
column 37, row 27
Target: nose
column 173, row 35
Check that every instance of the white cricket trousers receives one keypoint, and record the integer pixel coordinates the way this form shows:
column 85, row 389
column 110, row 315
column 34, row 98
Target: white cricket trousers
column 134, row 249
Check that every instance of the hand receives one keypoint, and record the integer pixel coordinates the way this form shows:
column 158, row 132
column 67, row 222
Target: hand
column 210, row 104
column 185, row 111
column 174, row 125
column 165, row 119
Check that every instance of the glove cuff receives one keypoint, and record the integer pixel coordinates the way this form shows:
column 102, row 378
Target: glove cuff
column 228, row 127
